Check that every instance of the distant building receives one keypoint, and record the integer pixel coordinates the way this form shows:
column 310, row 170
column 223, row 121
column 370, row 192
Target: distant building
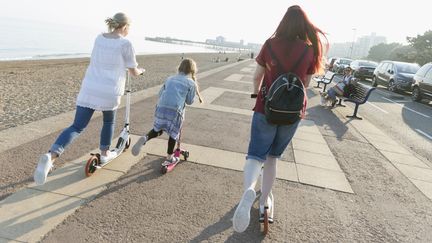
column 221, row 41
column 365, row 43
column 360, row 49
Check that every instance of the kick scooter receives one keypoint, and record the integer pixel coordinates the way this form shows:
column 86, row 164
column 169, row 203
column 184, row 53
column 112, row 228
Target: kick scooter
column 123, row 142
column 168, row 166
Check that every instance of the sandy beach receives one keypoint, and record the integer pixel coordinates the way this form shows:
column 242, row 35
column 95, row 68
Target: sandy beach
column 37, row 89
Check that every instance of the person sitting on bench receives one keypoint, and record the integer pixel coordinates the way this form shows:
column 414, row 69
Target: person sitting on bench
column 329, row 97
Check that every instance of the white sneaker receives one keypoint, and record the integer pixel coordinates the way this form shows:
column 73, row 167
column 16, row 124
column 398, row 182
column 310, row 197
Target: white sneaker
column 137, row 147
column 43, row 168
column 173, row 160
column 111, row 154
column 242, row 214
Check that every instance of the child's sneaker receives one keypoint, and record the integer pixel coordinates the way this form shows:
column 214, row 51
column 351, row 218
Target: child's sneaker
column 137, row 147
column 242, row 214
column 110, row 156
column 43, row 168
column 173, row 160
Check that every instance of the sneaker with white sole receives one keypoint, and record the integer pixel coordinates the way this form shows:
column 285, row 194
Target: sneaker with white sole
column 137, row 147
column 44, row 166
column 110, row 156
column 241, row 217
column 173, row 160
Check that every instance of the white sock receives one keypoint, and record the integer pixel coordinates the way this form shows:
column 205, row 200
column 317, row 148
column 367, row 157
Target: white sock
column 252, row 170
column 268, row 178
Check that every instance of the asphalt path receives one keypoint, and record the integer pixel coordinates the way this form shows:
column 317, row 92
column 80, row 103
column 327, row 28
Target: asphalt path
column 406, row 121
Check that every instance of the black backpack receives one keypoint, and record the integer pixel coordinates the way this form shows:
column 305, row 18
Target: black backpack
column 285, row 100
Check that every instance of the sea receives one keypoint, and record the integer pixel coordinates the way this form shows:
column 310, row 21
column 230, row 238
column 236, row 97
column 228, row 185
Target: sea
column 33, row 40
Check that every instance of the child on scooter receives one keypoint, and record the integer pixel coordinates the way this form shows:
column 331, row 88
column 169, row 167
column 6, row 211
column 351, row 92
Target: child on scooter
column 177, row 91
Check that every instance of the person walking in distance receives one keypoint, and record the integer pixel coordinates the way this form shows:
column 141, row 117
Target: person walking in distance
column 296, row 39
column 101, row 90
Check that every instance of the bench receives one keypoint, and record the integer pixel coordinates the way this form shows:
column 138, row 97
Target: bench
column 359, row 96
column 326, row 79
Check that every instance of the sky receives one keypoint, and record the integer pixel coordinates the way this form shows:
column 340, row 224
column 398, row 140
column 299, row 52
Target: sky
column 249, row 20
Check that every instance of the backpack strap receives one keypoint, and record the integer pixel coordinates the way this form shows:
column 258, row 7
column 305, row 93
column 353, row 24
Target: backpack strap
column 295, row 66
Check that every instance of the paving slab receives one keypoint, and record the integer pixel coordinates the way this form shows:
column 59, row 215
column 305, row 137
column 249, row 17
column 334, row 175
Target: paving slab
column 311, row 147
column 234, row 77
column 247, row 70
column 382, row 138
column 323, row 178
column 287, row 171
column 404, row 159
column 309, row 137
column 391, row 148
column 29, row 214
column 316, row 160
column 423, row 186
column 200, row 154
column 414, row 172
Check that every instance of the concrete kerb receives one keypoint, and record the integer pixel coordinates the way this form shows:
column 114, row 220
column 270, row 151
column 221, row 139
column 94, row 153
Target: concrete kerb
column 35, row 130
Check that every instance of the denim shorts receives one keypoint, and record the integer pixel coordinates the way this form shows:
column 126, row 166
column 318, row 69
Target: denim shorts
column 268, row 139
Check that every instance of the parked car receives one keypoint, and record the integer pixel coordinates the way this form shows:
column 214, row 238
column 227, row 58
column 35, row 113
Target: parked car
column 363, row 69
column 395, row 75
column 422, row 84
column 340, row 64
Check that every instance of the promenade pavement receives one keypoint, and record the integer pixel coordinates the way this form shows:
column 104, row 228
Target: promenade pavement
column 340, row 180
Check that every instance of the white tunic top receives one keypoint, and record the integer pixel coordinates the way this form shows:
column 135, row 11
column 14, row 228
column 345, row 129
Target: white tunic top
column 104, row 81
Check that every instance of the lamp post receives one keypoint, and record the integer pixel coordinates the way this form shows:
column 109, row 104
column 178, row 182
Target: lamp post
column 352, row 45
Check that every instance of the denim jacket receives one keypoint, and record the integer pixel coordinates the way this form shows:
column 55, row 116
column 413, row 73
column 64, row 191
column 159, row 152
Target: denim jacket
column 177, row 91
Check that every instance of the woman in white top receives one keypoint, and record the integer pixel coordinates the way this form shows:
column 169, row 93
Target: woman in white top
column 101, row 90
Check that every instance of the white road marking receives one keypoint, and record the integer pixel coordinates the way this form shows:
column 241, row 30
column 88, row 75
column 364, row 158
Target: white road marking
column 406, row 107
column 377, row 107
column 425, row 134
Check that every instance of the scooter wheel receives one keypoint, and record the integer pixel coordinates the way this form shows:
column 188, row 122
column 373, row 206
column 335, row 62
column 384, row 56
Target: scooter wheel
column 164, row 169
column 185, row 155
column 266, row 221
column 128, row 143
column 91, row 165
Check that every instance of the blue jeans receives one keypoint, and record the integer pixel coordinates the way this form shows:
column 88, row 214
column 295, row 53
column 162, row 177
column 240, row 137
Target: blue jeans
column 268, row 139
column 82, row 118
column 332, row 93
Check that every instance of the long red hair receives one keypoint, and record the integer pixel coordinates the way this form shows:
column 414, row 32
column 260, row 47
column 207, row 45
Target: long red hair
column 295, row 24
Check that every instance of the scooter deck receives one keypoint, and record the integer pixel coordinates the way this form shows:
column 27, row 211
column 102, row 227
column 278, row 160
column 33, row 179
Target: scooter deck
column 169, row 167
column 94, row 163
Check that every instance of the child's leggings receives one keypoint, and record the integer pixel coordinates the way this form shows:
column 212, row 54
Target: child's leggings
column 171, row 141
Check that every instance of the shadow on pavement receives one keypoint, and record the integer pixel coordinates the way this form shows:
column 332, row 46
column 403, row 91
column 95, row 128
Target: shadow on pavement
column 150, row 172
column 328, row 120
